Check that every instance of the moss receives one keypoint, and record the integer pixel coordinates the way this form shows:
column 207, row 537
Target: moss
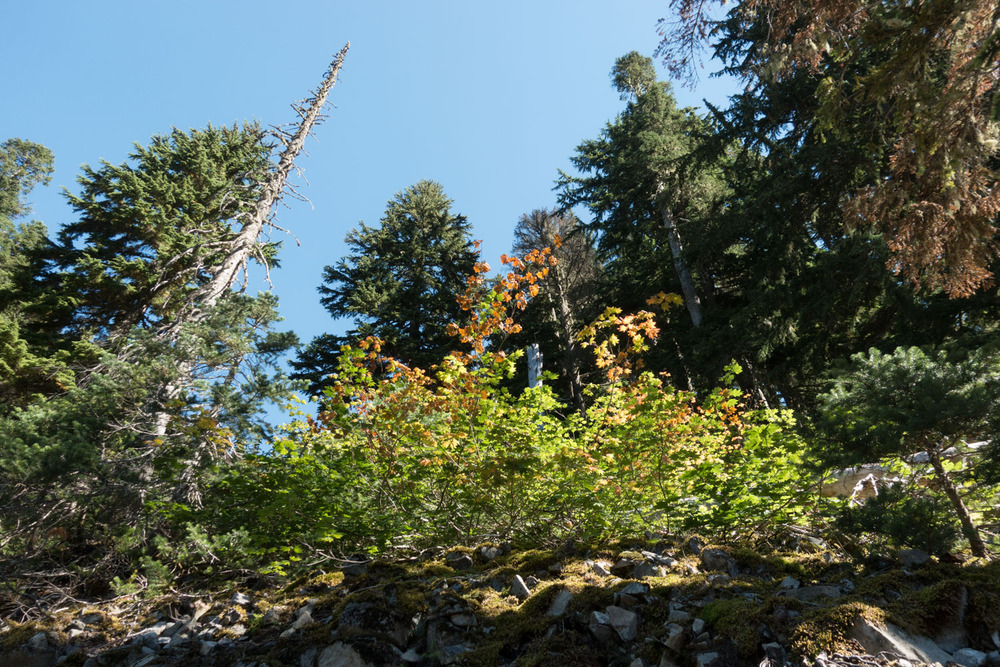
column 18, row 634
column 738, row 619
column 827, row 629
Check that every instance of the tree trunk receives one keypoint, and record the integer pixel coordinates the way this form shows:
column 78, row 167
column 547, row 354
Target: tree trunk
column 688, row 288
column 968, row 527
column 571, row 357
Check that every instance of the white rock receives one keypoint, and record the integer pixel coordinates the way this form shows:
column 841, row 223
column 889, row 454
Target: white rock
column 876, row 638
column 241, row 599
column 789, row 583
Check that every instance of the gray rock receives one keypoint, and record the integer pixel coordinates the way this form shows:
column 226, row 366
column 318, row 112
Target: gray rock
column 716, row 560
column 676, row 637
column 707, row 659
column 411, row 655
column 489, row 552
column 698, row 626
column 340, row 655
column 376, row 619
column 678, row 616
column 463, row 620
column 810, row 593
column 635, row 588
column 303, row 619
column 638, row 662
column 695, row 545
column 993, row 658
column 658, row 559
column 38, row 642
column 519, row 589
column 458, row 560
column 666, row 661
column 646, row 570
column 624, row 622
column 559, row 603
column 451, row 655
column 600, row 568
column 876, row 638
column 240, row 599
column 789, row 583
column 623, row 568
column 911, row 557
column 207, row 647
column 600, row 626
column 308, row 657
column 774, row 654
column 968, row 657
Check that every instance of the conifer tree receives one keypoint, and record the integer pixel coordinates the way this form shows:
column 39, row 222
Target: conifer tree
column 399, row 282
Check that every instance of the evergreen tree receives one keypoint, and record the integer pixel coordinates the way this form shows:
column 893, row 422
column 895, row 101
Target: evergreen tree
column 399, row 283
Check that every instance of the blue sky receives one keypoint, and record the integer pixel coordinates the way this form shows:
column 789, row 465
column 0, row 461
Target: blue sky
column 489, row 99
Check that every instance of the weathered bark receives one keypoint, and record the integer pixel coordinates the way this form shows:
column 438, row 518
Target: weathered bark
column 567, row 326
column 688, row 288
column 968, row 526
column 242, row 249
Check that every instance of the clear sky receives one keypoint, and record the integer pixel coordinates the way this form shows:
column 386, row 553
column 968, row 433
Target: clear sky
column 489, row 99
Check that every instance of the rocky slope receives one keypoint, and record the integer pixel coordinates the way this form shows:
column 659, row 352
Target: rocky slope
column 660, row 602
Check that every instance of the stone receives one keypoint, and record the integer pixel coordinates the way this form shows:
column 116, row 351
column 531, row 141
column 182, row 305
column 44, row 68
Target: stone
column 559, row 603
column 638, row 662
column 519, row 589
column 876, row 638
column 666, row 661
column 451, row 655
column 623, row 568
column 635, row 588
column 340, row 655
column 624, row 622
column 600, row 626
column 676, row 637
column 240, row 599
column 911, row 557
column 698, row 626
column 775, row 655
column 717, row 560
column 678, row 616
column 375, row 619
column 600, row 568
column 706, row 659
column 308, row 657
column 646, row 570
column 810, row 593
column 993, row 658
column 658, row 559
column 968, row 657
column 463, row 620
column 789, row 583
column 411, row 656
column 38, row 641
column 695, row 545
column 458, row 560
column 489, row 552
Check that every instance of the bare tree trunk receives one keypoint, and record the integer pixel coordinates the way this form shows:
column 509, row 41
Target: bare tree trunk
column 968, row 527
column 571, row 358
column 242, row 248
column 688, row 288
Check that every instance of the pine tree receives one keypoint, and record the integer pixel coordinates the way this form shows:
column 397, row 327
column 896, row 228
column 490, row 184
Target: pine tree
column 399, row 283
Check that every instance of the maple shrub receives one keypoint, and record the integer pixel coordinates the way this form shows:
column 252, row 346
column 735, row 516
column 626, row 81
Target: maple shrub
column 450, row 455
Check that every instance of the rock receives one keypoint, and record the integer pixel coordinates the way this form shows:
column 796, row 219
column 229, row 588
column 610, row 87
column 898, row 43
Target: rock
column 519, row 589
column 706, row 659
column 993, row 658
column 645, row 570
column 697, row 626
column 623, row 568
column 340, row 655
column 635, row 588
column 774, row 655
column 678, row 616
column 206, row 647
column 676, row 637
column 810, row 593
column 600, row 568
column 876, row 638
column 240, row 599
column 600, row 626
column 411, row 656
column 458, row 560
column 375, row 619
column 638, row 662
column 489, row 552
column 624, row 622
column 911, row 557
column 559, row 603
column 308, row 657
column 695, row 545
column 968, row 657
column 717, row 560
column 463, row 620
column 451, row 655
column 789, row 583
column 658, row 559
column 38, row 642
column 666, row 661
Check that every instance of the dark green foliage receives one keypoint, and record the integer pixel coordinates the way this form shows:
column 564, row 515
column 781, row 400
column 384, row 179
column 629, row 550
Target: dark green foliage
column 899, row 518
column 23, row 165
column 399, row 283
